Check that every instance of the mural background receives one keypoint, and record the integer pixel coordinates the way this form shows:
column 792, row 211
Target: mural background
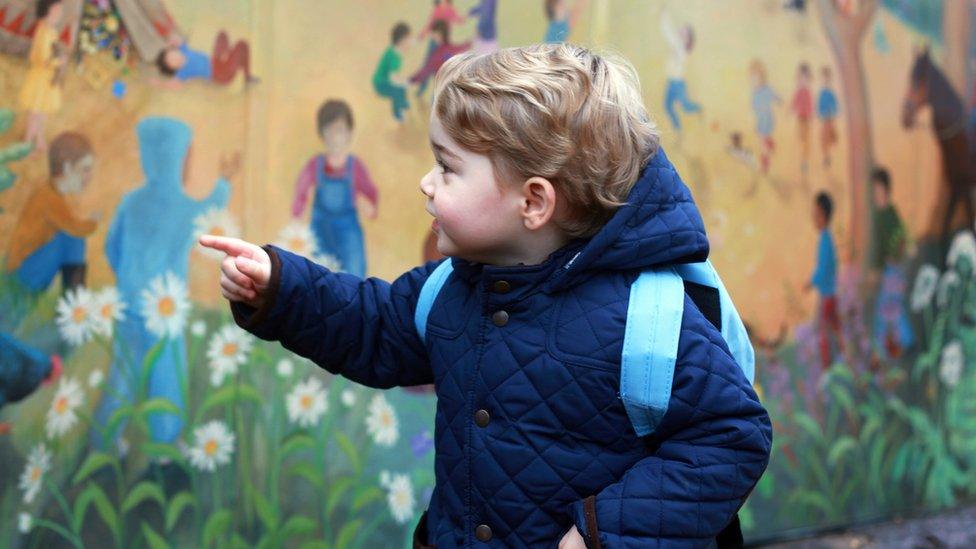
column 291, row 454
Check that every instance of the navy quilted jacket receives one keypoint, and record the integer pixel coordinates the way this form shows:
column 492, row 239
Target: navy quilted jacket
column 531, row 436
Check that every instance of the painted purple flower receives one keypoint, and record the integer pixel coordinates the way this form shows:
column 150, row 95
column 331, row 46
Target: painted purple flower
column 421, row 443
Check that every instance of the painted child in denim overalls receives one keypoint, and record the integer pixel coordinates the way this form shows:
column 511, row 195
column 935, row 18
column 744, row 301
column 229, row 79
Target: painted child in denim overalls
column 335, row 218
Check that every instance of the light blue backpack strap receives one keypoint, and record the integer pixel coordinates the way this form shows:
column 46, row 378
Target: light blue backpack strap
column 428, row 293
column 651, row 347
column 733, row 330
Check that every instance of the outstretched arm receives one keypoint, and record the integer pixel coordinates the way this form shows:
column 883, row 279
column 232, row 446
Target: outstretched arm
column 361, row 329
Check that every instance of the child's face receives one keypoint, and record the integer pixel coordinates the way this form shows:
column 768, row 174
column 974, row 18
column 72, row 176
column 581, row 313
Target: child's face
column 880, row 195
column 175, row 59
column 476, row 217
column 802, row 78
column 336, row 136
column 559, row 10
column 54, row 13
column 819, row 219
column 75, row 176
column 401, row 45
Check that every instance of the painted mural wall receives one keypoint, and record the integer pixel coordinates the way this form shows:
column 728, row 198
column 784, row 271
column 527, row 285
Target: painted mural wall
column 828, row 143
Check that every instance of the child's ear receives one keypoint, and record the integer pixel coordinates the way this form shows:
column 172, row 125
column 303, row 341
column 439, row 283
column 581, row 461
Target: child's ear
column 538, row 202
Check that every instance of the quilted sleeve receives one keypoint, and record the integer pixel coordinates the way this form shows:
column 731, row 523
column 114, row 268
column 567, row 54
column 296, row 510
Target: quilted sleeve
column 360, row 329
column 713, row 445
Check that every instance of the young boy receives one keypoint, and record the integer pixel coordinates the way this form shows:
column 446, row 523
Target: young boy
column 180, row 62
column 824, row 278
column 550, row 194
column 341, row 186
column 49, row 237
column 892, row 330
column 387, row 81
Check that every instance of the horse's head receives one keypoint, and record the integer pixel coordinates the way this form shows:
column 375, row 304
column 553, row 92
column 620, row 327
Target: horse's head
column 918, row 87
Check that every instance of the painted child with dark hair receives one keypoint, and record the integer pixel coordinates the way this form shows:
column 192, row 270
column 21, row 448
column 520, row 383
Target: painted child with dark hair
column 892, row 332
column 178, row 62
column 441, row 35
column 824, row 278
column 341, row 185
column 386, row 80
column 49, row 237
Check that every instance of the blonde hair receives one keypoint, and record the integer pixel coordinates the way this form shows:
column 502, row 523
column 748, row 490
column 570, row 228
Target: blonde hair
column 557, row 111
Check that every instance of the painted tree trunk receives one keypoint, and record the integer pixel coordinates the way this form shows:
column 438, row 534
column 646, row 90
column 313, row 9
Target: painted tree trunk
column 845, row 34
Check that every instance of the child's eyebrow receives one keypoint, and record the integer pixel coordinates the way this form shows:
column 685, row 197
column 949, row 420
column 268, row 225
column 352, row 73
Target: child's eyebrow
column 444, row 150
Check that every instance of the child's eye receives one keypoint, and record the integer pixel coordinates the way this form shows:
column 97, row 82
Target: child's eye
column 443, row 167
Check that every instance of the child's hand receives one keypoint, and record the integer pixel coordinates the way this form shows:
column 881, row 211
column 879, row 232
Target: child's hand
column 572, row 540
column 246, row 271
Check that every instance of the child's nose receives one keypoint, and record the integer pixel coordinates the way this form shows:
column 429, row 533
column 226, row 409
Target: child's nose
column 427, row 185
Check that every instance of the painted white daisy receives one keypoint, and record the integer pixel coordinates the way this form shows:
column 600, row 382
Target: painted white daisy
column 198, row 328
column 381, row 422
column 948, row 283
column 24, row 523
column 348, row 397
column 38, row 463
column 213, row 446
column 297, row 238
column 63, row 412
column 328, row 261
column 306, row 403
column 951, row 364
column 218, row 222
column 165, row 305
column 926, row 282
column 76, row 316
column 95, row 378
column 963, row 246
column 285, row 368
column 227, row 350
column 400, row 498
column 108, row 308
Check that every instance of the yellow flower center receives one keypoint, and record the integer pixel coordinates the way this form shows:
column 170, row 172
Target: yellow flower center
column 166, row 306
column 386, row 419
column 61, row 405
column 107, row 311
column 217, row 230
column 210, row 448
column 35, row 474
column 78, row 314
column 230, row 349
column 306, row 402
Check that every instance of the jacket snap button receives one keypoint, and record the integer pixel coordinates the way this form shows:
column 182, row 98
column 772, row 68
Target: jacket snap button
column 482, row 532
column 500, row 318
column 501, row 287
column 481, row 418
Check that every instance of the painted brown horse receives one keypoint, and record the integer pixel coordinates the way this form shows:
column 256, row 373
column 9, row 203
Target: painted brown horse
column 928, row 86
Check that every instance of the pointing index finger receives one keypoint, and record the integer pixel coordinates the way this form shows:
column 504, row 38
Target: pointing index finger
column 228, row 245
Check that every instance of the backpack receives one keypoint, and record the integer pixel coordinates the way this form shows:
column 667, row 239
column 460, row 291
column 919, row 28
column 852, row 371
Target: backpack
column 650, row 348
